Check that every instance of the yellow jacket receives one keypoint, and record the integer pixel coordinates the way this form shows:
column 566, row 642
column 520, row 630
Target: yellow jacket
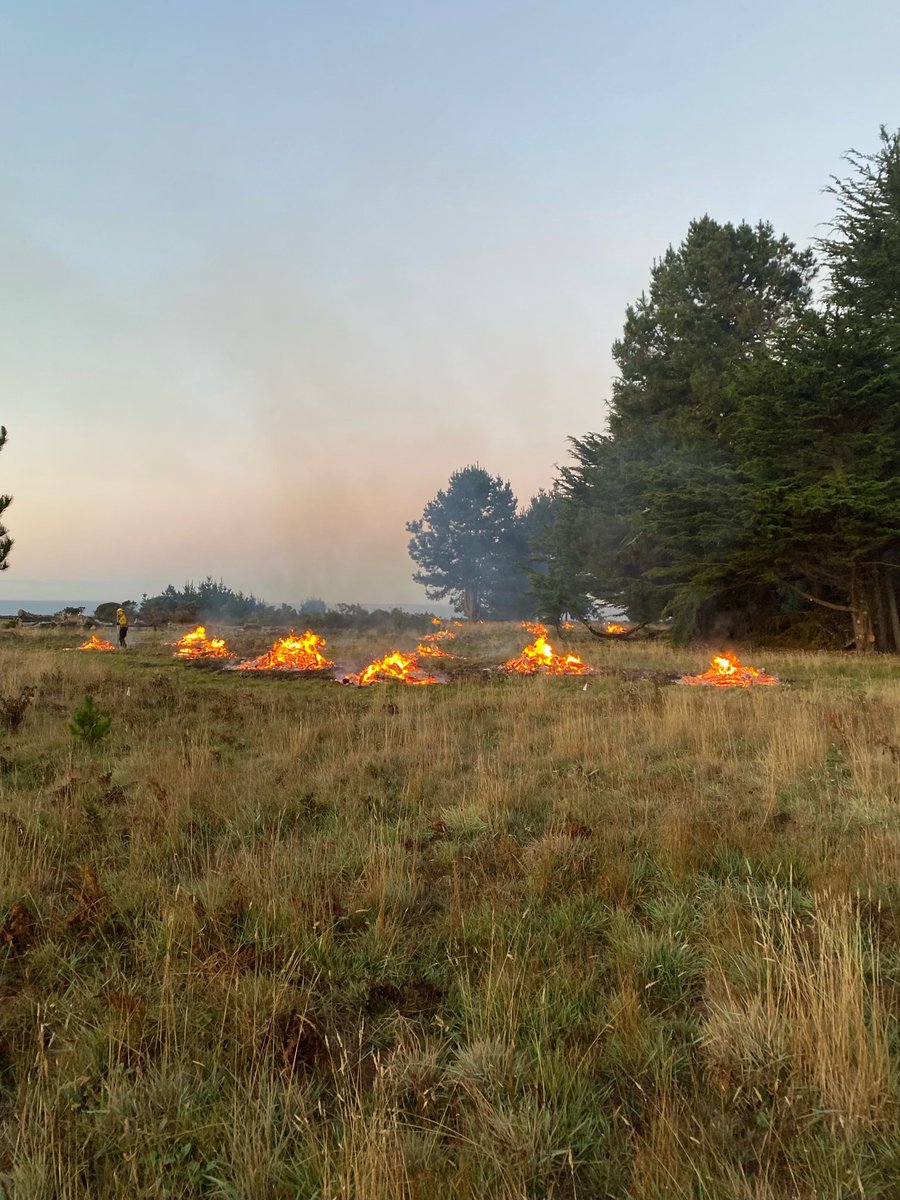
column 121, row 617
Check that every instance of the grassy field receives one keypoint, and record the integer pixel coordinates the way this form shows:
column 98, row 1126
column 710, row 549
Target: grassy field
column 504, row 938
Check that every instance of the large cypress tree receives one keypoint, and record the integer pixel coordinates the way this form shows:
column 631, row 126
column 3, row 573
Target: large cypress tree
column 820, row 472
column 753, row 460
column 659, row 496
column 819, row 422
column 5, row 501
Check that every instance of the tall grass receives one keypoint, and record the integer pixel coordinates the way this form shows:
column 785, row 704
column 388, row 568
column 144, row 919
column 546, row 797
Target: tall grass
column 507, row 938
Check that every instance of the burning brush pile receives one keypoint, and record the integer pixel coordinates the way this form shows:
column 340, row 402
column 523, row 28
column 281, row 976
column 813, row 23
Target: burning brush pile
column 539, row 657
column 728, row 671
column 196, row 645
column 395, row 667
column 296, row 652
column 96, row 643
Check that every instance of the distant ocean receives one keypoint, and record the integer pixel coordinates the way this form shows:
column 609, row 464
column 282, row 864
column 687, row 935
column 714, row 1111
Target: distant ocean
column 9, row 608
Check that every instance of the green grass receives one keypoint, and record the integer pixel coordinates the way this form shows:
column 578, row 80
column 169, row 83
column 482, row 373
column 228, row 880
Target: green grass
column 504, row 938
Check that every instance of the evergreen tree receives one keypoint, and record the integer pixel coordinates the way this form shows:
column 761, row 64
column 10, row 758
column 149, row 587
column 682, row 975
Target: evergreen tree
column 656, row 503
column 559, row 578
column 818, row 426
column 863, row 258
column 466, row 543
column 5, row 501
column 820, row 472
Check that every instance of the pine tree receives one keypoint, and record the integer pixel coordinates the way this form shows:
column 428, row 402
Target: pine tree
column 466, row 542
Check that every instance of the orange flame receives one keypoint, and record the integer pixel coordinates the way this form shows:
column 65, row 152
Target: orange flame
column 440, row 636
column 96, row 643
column 292, row 653
column 614, row 627
column 198, row 645
column 393, row 668
column 728, row 671
column 535, row 627
column 430, row 651
column 539, row 657
column 435, row 620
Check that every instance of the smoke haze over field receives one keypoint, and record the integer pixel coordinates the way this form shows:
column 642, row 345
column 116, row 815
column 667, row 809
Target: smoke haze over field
column 268, row 275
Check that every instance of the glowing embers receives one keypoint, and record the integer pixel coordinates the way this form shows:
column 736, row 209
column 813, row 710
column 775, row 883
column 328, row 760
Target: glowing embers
column 96, row 643
column 614, row 627
column 728, row 671
column 540, row 658
column 393, row 668
column 197, row 645
column 292, row 653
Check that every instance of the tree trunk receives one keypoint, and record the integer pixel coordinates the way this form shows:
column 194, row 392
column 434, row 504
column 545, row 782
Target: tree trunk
column 890, row 587
column 880, row 613
column 472, row 604
column 861, row 605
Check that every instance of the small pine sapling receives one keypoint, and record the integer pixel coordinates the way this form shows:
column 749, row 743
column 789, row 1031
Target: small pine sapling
column 89, row 723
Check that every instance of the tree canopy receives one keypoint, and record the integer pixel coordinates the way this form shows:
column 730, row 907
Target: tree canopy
column 750, row 469
column 471, row 545
column 648, row 510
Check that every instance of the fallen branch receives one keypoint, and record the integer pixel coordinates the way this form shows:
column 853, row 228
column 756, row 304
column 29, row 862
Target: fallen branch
column 618, row 637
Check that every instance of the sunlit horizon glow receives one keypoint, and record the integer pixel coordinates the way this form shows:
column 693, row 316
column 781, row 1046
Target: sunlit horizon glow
column 269, row 275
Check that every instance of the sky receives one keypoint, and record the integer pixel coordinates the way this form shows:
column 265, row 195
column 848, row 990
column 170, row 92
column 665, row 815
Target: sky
column 269, row 273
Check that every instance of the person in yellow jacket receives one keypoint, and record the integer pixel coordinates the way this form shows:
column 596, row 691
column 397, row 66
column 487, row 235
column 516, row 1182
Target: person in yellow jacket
column 122, row 622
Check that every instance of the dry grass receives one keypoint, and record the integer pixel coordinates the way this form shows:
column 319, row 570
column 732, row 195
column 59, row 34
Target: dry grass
column 507, row 938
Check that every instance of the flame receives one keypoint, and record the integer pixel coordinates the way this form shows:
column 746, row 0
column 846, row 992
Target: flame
column 458, row 624
column 568, row 625
column 535, row 627
column 540, row 657
column 198, row 645
column 393, row 668
column 430, row 651
column 440, row 636
column 96, row 643
column 292, row 653
column 614, row 627
column 435, row 620
column 728, row 671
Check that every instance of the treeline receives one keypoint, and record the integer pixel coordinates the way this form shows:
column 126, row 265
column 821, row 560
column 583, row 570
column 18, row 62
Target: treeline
column 213, row 601
column 748, row 481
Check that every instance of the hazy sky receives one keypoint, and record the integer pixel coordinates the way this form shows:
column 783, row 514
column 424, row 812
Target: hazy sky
column 269, row 272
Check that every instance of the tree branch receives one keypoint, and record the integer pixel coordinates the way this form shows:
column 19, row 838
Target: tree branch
column 601, row 633
column 815, row 600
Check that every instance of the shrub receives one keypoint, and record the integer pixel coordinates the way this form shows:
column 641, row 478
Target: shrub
column 13, row 708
